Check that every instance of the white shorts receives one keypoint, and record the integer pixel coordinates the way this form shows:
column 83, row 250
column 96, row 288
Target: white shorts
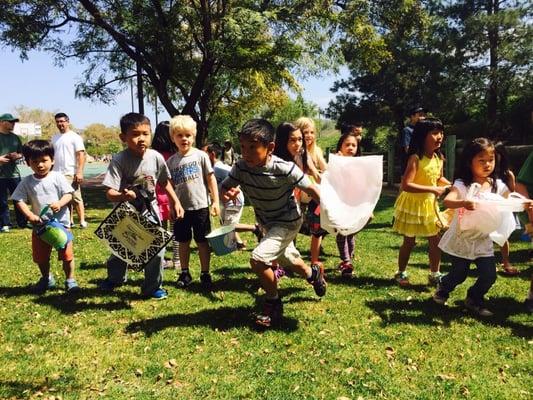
column 278, row 245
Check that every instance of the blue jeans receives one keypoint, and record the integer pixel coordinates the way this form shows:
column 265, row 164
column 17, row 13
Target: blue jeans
column 7, row 187
column 486, row 268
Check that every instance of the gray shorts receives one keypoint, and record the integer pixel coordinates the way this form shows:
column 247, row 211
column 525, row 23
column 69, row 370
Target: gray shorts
column 278, row 245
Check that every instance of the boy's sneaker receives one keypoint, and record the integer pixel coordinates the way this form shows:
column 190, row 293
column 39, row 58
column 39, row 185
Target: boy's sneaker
column 71, row 286
column 184, row 280
column 440, row 297
column 83, row 224
column 5, row 228
column 272, row 313
column 108, row 286
column 241, row 246
column 346, row 269
column 402, row 278
column 434, row 279
column 206, row 281
column 529, row 305
column 319, row 283
column 477, row 308
column 45, row 284
column 159, row 294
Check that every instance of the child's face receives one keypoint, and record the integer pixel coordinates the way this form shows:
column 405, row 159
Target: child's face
column 433, row 141
column 483, row 164
column 184, row 140
column 138, row 138
column 41, row 166
column 255, row 153
column 309, row 135
column 349, row 146
column 295, row 142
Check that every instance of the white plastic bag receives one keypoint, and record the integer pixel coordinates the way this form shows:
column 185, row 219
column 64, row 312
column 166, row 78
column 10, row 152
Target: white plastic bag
column 491, row 217
column 349, row 191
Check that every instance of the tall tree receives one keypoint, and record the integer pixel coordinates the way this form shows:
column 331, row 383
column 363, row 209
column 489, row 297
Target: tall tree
column 195, row 55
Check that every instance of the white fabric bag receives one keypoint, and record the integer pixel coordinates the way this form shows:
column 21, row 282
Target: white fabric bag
column 349, row 192
column 492, row 216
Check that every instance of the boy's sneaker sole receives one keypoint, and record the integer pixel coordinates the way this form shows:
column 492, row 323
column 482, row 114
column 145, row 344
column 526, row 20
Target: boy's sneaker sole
column 272, row 314
column 319, row 283
column 184, row 280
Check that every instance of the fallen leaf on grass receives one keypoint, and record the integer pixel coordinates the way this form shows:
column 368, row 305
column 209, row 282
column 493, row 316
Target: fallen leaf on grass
column 138, row 372
column 445, row 377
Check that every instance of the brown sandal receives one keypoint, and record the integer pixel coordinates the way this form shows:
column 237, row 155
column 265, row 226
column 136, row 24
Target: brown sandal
column 509, row 271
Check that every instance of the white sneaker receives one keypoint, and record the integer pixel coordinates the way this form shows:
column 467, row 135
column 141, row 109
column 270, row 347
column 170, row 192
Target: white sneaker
column 83, row 224
column 5, row 228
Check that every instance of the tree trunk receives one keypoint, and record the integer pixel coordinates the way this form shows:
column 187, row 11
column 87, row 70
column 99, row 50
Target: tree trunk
column 492, row 93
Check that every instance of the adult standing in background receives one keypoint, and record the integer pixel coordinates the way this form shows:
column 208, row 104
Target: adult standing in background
column 415, row 115
column 10, row 152
column 70, row 160
column 228, row 156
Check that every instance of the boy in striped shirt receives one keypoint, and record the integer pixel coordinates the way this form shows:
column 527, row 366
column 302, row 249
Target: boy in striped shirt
column 268, row 181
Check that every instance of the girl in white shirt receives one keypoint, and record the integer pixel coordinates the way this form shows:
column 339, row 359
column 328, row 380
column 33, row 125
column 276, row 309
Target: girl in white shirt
column 477, row 165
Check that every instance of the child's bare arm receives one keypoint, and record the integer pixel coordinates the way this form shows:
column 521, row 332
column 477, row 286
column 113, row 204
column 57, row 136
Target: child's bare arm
column 62, row 202
column 28, row 214
column 117, row 197
column 408, row 184
column 313, row 191
column 453, row 200
column 176, row 210
column 213, row 190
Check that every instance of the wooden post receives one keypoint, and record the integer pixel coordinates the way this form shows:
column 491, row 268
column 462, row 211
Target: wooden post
column 390, row 164
column 449, row 152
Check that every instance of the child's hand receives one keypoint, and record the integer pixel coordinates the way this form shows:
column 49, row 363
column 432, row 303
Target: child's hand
column 129, row 195
column 34, row 219
column 469, row 205
column 440, row 190
column 215, row 210
column 55, row 207
column 230, row 194
column 177, row 212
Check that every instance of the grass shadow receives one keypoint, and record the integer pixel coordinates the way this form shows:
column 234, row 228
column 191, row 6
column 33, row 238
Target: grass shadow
column 426, row 312
column 88, row 266
column 222, row 319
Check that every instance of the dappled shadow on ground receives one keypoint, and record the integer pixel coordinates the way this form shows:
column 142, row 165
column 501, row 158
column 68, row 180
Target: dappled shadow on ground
column 70, row 304
column 427, row 312
column 91, row 266
column 222, row 319
column 366, row 282
column 20, row 389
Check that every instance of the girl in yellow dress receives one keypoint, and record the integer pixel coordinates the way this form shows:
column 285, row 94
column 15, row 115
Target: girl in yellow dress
column 415, row 210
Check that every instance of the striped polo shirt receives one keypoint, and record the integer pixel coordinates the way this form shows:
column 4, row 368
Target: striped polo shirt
column 270, row 189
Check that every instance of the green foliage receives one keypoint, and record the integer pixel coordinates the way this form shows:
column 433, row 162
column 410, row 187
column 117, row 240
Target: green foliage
column 290, row 110
column 40, row 117
column 100, row 139
column 366, row 338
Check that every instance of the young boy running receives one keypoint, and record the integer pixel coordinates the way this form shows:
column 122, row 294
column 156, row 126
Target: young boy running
column 268, row 182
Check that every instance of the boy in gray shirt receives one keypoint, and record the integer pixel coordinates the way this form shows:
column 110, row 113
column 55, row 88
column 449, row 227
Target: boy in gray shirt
column 41, row 189
column 138, row 167
column 269, row 181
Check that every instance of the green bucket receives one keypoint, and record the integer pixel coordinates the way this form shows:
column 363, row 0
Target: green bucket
column 222, row 240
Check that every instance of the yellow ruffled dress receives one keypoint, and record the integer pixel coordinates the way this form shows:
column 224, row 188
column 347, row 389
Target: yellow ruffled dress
column 415, row 213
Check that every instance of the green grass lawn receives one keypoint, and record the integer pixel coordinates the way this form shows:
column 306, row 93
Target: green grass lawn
column 366, row 339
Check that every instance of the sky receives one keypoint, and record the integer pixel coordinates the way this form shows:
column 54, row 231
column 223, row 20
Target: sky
column 38, row 83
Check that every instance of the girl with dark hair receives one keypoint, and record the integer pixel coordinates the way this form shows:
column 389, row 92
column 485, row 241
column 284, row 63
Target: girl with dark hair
column 415, row 213
column 477, row 166
column 503, row 171
column 347, row 146
column 166, row 147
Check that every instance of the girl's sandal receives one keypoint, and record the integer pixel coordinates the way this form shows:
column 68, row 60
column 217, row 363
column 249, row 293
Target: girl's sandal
column 509, row 270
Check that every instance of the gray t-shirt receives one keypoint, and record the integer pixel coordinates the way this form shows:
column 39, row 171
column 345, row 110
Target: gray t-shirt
column 189, row 174
column 270, row 189
column 40, row 192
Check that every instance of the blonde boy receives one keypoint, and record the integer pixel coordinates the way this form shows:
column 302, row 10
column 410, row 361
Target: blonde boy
column 192, row 175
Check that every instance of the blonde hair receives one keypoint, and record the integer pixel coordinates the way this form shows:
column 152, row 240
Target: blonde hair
column 182, row 123
column 314, row 151
column 305, row 122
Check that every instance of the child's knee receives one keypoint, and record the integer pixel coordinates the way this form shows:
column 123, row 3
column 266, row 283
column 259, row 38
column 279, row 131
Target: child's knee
column 257, row 266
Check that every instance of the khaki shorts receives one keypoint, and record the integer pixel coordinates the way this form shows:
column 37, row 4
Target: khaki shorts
column 76, row 196
column 278, row 245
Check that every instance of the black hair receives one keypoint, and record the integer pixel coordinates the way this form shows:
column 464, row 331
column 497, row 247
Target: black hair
column 61, row 115
column 345, row 136
column 282, row 140
column 349, row 126
column 503, row 170
column 215, row 148
column 471, row 149
column 161, row 141
column 423, row 128
column 258, row 129
column 37, row 148
column 131, row 120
